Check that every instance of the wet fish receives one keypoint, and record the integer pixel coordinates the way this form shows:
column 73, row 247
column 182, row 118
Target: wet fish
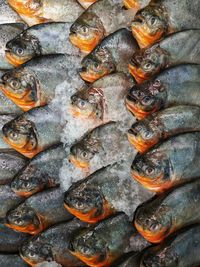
column 175, row 161
column 111, row 55
column 175, row 49
column 129, row 260
column 7, row 14
column 168, row 213
column 164, row 124
column 102, row 244
column 39, row 40
column 34, row 83
column 40, row 173
column 180, row 251
column 178, row 85
column 33, row 131
column 38, row 212
column 14, row 260
column 163, row 17
column 52, row 245
column 136, row 4
column 41, row 11
column 86, row 3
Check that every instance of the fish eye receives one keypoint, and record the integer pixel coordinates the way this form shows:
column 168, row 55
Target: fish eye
column 153, row 20
column 84, row 154
column 154, row 227
column 13, row 135
column 85, row 29
column 149, row 170
column 146, row 99
column 26, row 184
column 148, row 66
column 19, row 51
column 148, row 134
column 15, row 84
column 19, row 221
column 31, row 254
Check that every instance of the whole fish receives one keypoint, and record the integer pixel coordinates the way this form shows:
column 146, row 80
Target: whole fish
column 147, row 133
column 101, row 244
column 36, row 12
column 111, row 55
column 10, row 240
column 181, row 250
column 7, row 32
column 175, row 49
column 163, row 17
column 7, row 14
column 14, row 260
column 100, row 20
column 178, row 85
column 34, row 83
column 135, row 4
column 40, row 173
column 131, row 259
column 39, row 40
column 52, row 245
column 175, row 161
column 86, row 3
column 33, row 131
column 38, row 212
column 170, row 212
column 104, row 193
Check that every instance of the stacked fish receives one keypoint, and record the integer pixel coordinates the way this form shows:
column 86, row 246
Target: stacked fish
column 70, row 72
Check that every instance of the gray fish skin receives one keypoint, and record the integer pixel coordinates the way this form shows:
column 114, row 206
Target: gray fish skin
column 55, row 240
column 40, row 173
column 10, row 240
column 8, row 15
column 179, row 251
column 14, row 260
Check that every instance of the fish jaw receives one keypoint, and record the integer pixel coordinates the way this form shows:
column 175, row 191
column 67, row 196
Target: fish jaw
column 139, row 75
column 91, row 76
column 79, row 164
column 132, row 4
column 30, row 229
column 15, row 60
column 138, row 143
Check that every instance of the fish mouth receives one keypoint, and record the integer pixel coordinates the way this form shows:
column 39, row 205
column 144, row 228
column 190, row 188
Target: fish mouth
column 78, row 113
column 90, row 76
column 132, row 4
column 25, row 194
column 140, row 114
column 14, row 59
column 78, row 163
column 139, row 75
column 138, row 143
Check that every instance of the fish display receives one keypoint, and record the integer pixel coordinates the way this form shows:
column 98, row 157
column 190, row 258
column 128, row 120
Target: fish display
column 52, row 245
column 14, row 260
column 174, row 162
column 33, row 84
column 159, row 126
column 39, row 40
column 168, row 88
column 40, row 173
column 163, row 17
column 181, row 250
column 160, row 217
column 175, row 49
column 7, row 14
column 33, row 131
column 36, row 12
column 109, row 56
column 38, row 212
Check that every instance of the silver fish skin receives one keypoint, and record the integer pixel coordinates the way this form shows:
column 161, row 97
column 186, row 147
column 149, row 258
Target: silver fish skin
column 14, row 260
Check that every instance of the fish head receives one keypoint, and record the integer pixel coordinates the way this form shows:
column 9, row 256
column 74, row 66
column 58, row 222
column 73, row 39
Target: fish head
column 86, row 32
column 146, row 98
column 22, row 48
column 147, row 62
column 97, row 64
column 23, row 219
column 149, row 25
column 21, row 87
column 20, row 133
column 26, row 7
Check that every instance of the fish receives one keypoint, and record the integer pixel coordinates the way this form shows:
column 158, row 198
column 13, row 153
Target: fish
column 7, row 32
column 130, row 259
column 52, row 245
column 34, row 12
column 86, row 3
column 14, row 260
column 168, row 213
column 8, row 15
column 38, row 212
column 34, row 83
column 179, row 250
column 167, row 89
column 39, row 40
column 42, row 172
column 159, row 126
column 173, row 162
column 136, row 4
column 7, row 107
column 111, row 55
column 102, row 244
column 176, row 49
column 97, row 101
column 163, row 17
column 33, row 131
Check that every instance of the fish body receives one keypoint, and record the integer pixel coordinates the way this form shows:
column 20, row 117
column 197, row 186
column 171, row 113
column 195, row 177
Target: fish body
column 161, row 18
column 167, row 213
column 40, row 173
column 14, row 260
column 180, row 250
column 178, row 85
column 173, row 162
column 164, row 124
column 34, row 83
column 33, row 131
column 36, row 12
column 111, row 55
column 52, row 245
column 176, row 49
column 38, row 212
column 7, row 14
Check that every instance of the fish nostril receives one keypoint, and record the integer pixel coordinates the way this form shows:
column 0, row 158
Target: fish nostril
column 132, row 131
column 71, row 247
